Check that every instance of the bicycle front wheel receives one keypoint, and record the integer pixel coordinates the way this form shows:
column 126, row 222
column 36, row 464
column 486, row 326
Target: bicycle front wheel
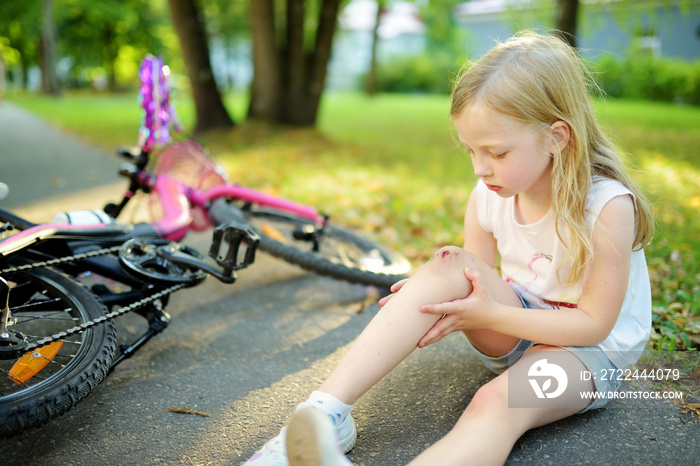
column 332, row 250
column 47, row 382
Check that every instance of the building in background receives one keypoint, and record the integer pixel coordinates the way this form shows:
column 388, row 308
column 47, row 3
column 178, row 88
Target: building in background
column 661, row 28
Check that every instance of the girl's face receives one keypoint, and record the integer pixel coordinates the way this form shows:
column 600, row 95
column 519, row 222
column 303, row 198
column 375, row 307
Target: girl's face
column 507, row 156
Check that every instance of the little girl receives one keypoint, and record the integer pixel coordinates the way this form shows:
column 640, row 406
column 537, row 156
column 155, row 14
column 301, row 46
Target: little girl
column 555, row 204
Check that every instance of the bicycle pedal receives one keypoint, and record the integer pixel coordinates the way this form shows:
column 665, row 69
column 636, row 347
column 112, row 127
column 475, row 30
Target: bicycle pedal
column 236, row 234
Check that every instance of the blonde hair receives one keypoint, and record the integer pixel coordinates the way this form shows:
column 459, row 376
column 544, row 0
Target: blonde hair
column 537, row 80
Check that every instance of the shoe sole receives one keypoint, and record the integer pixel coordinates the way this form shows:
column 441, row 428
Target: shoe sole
column 311, row 439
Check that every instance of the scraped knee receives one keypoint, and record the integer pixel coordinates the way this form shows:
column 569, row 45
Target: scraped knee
column 445, row 271
column 451, row 258
column 447, row 252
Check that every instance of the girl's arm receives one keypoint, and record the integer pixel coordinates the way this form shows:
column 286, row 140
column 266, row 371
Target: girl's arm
column 604, row 288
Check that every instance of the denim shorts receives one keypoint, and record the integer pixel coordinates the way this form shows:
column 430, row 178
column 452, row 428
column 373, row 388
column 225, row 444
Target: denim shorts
column 592, row 357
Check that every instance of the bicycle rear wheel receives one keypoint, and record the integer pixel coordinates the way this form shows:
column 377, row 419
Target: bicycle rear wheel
column 332, row 250
column 42, row 385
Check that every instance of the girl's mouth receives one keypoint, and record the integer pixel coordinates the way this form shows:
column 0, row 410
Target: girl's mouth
column 493, row 187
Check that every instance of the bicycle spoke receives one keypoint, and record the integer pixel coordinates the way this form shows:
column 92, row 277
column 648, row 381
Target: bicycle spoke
column 37, row 314
column 49, row 316
column 31, row 306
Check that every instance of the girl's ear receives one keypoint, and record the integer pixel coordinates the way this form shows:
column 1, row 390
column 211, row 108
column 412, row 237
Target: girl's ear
column 561, row 134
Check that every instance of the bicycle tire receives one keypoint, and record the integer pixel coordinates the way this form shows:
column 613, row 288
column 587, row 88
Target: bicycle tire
column 38, row 300
column 368, row 263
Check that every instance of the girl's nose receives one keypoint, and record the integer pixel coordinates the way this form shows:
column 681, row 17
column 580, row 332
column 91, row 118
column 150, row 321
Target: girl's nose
column 481, row 166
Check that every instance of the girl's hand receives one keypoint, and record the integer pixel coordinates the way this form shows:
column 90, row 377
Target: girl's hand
column 469, row 313
column 394, row 289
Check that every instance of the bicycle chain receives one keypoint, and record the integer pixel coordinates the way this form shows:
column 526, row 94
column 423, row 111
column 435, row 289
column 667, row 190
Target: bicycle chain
column 61, row 260
column 91, row 323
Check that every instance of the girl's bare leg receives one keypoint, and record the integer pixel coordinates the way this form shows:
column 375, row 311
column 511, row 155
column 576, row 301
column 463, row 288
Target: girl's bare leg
column 395, row 331
column 488, row 429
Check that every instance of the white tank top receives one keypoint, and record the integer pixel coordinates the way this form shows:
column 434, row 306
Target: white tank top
column 531, row 255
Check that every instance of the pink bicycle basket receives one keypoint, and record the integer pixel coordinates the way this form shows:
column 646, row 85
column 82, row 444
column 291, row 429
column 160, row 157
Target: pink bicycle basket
column 188, row 163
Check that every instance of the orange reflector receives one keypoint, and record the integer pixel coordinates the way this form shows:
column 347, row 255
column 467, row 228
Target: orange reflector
column 30, row 364
column 273, row 233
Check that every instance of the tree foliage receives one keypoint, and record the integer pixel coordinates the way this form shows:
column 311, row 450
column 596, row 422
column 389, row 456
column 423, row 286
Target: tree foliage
column 112, row 36
column 292, row 40
column 442, row 33
column 21, row 28
column 99, row 37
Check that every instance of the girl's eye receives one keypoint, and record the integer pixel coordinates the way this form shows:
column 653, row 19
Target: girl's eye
column 499, row 156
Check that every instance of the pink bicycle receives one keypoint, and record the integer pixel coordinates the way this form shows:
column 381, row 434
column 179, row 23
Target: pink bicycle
column 189, row 191
column 63, row 284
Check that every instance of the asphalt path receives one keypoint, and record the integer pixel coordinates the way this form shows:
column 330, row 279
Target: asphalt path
column 244, row 355
column 38, row 162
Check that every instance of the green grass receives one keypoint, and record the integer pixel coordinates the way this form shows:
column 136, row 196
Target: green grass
column 389, row 165
column 663, row 141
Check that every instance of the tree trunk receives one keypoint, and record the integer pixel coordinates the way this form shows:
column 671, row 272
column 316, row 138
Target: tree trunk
column 265, row 92
column 25, row 64
column 209, row 107
column 49, row 80
column 567, row 20
column 372, row 73
column 294, row 63
column 320, row 58
column 111, row 51
column 289, row 80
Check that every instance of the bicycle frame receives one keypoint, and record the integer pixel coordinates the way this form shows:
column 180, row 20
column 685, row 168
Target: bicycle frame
column 43, row 232
column 177, row 199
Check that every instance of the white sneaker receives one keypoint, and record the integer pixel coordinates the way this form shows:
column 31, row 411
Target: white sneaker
column 346, row 432
column 274, row 452
column 312, row 440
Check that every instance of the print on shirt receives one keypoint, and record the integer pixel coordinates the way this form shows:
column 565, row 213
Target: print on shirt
column 531, row 288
